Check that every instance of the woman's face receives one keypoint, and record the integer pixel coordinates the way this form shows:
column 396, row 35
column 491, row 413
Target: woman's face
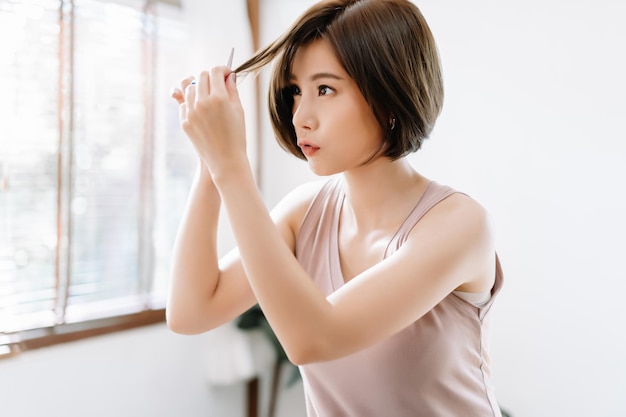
column 336, row 129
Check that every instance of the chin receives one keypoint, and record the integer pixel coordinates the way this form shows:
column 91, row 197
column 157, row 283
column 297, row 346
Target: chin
column 323, row 171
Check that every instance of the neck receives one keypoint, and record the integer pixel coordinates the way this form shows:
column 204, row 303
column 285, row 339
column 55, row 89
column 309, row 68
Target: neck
column 380, row 191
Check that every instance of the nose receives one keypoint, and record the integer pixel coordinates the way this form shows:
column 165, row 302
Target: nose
column 304, row 118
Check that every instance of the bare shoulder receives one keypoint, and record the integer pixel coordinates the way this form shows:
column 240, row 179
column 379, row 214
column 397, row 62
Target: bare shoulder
column 464, row 223
column 460, row 212
column 460, row 229
column 294, row 205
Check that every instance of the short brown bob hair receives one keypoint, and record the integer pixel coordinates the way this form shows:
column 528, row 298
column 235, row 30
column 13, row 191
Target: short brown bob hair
column 386, row 47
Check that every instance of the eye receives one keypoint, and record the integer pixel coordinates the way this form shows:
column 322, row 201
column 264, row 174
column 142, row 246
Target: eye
column 294, row 90
column 324, row 90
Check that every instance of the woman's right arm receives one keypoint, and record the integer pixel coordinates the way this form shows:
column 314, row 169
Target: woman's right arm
column 204, row 292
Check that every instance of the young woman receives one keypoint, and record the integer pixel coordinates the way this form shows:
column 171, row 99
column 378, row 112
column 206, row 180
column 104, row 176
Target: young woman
column 377, row 281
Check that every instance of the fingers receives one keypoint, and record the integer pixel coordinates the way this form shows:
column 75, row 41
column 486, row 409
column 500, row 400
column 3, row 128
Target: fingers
column 231, row 84
column 186, row 82
column 218, row 80
column 182, row 111
column 190, row 91
column 203, row 84
column 178, row 94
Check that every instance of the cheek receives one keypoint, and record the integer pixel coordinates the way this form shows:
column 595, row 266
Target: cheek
column 366, row 127
column 357, row 121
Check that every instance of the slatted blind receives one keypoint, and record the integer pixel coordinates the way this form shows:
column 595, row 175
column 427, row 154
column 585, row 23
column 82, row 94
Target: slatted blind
column 175, row 160
column 93, row 166
column 107, row 154
column 29, row 145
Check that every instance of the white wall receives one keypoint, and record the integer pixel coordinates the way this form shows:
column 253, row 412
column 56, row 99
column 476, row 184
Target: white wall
column 146, row 372
column 534, row 128
column 141, row 372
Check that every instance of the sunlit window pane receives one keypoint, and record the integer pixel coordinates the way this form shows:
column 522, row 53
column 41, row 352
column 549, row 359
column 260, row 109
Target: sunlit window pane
column 175, row 159
column 29, row 70
column 108, row 136
column 94, row 169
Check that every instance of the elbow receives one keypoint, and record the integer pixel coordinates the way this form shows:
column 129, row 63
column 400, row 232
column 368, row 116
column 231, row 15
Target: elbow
column 308, row 353
column 181, row 325
column 175, row 324
column 300, row 358
column 320, row 343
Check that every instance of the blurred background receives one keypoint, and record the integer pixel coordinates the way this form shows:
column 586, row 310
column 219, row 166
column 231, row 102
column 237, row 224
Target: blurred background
column 94, row 173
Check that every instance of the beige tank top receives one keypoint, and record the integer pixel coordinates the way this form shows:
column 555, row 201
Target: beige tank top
column 437, row 367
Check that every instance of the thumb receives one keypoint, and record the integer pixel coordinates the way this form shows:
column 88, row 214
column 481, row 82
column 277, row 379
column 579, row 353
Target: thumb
column 231, row 82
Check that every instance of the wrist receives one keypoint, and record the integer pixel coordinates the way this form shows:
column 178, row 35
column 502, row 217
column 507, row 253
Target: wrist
column 203, row 182
column 230, row 171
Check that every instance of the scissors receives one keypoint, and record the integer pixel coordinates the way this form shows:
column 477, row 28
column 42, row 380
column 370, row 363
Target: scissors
column 229, row 63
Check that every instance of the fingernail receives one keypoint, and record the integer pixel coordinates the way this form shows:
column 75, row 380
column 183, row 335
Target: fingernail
column 233, row 77
column 172, row 92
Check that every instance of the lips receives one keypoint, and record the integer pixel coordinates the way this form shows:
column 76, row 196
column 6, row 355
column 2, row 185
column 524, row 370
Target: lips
column 308, row 149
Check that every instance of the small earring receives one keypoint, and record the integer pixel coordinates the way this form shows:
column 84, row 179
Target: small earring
column 392, row 124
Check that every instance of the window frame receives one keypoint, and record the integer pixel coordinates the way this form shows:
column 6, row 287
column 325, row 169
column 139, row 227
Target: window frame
column 12, row 344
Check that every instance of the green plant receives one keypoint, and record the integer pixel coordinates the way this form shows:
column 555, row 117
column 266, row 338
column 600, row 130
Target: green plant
column 505, row 413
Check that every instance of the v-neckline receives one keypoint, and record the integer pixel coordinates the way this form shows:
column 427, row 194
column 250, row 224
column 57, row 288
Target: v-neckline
column 336, row 273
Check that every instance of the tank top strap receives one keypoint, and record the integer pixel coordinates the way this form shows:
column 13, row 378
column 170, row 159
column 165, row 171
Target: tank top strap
column 324, row 205
column 433, row 194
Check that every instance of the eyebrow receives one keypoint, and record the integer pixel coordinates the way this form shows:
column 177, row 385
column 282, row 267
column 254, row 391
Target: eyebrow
column 318, row 76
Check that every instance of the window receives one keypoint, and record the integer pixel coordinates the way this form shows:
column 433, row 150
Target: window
column 94, row 169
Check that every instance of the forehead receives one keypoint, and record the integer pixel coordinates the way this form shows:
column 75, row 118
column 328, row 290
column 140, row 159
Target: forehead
column 317, row 56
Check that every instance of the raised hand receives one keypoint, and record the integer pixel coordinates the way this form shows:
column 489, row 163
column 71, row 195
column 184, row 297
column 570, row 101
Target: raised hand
column 212, row 117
